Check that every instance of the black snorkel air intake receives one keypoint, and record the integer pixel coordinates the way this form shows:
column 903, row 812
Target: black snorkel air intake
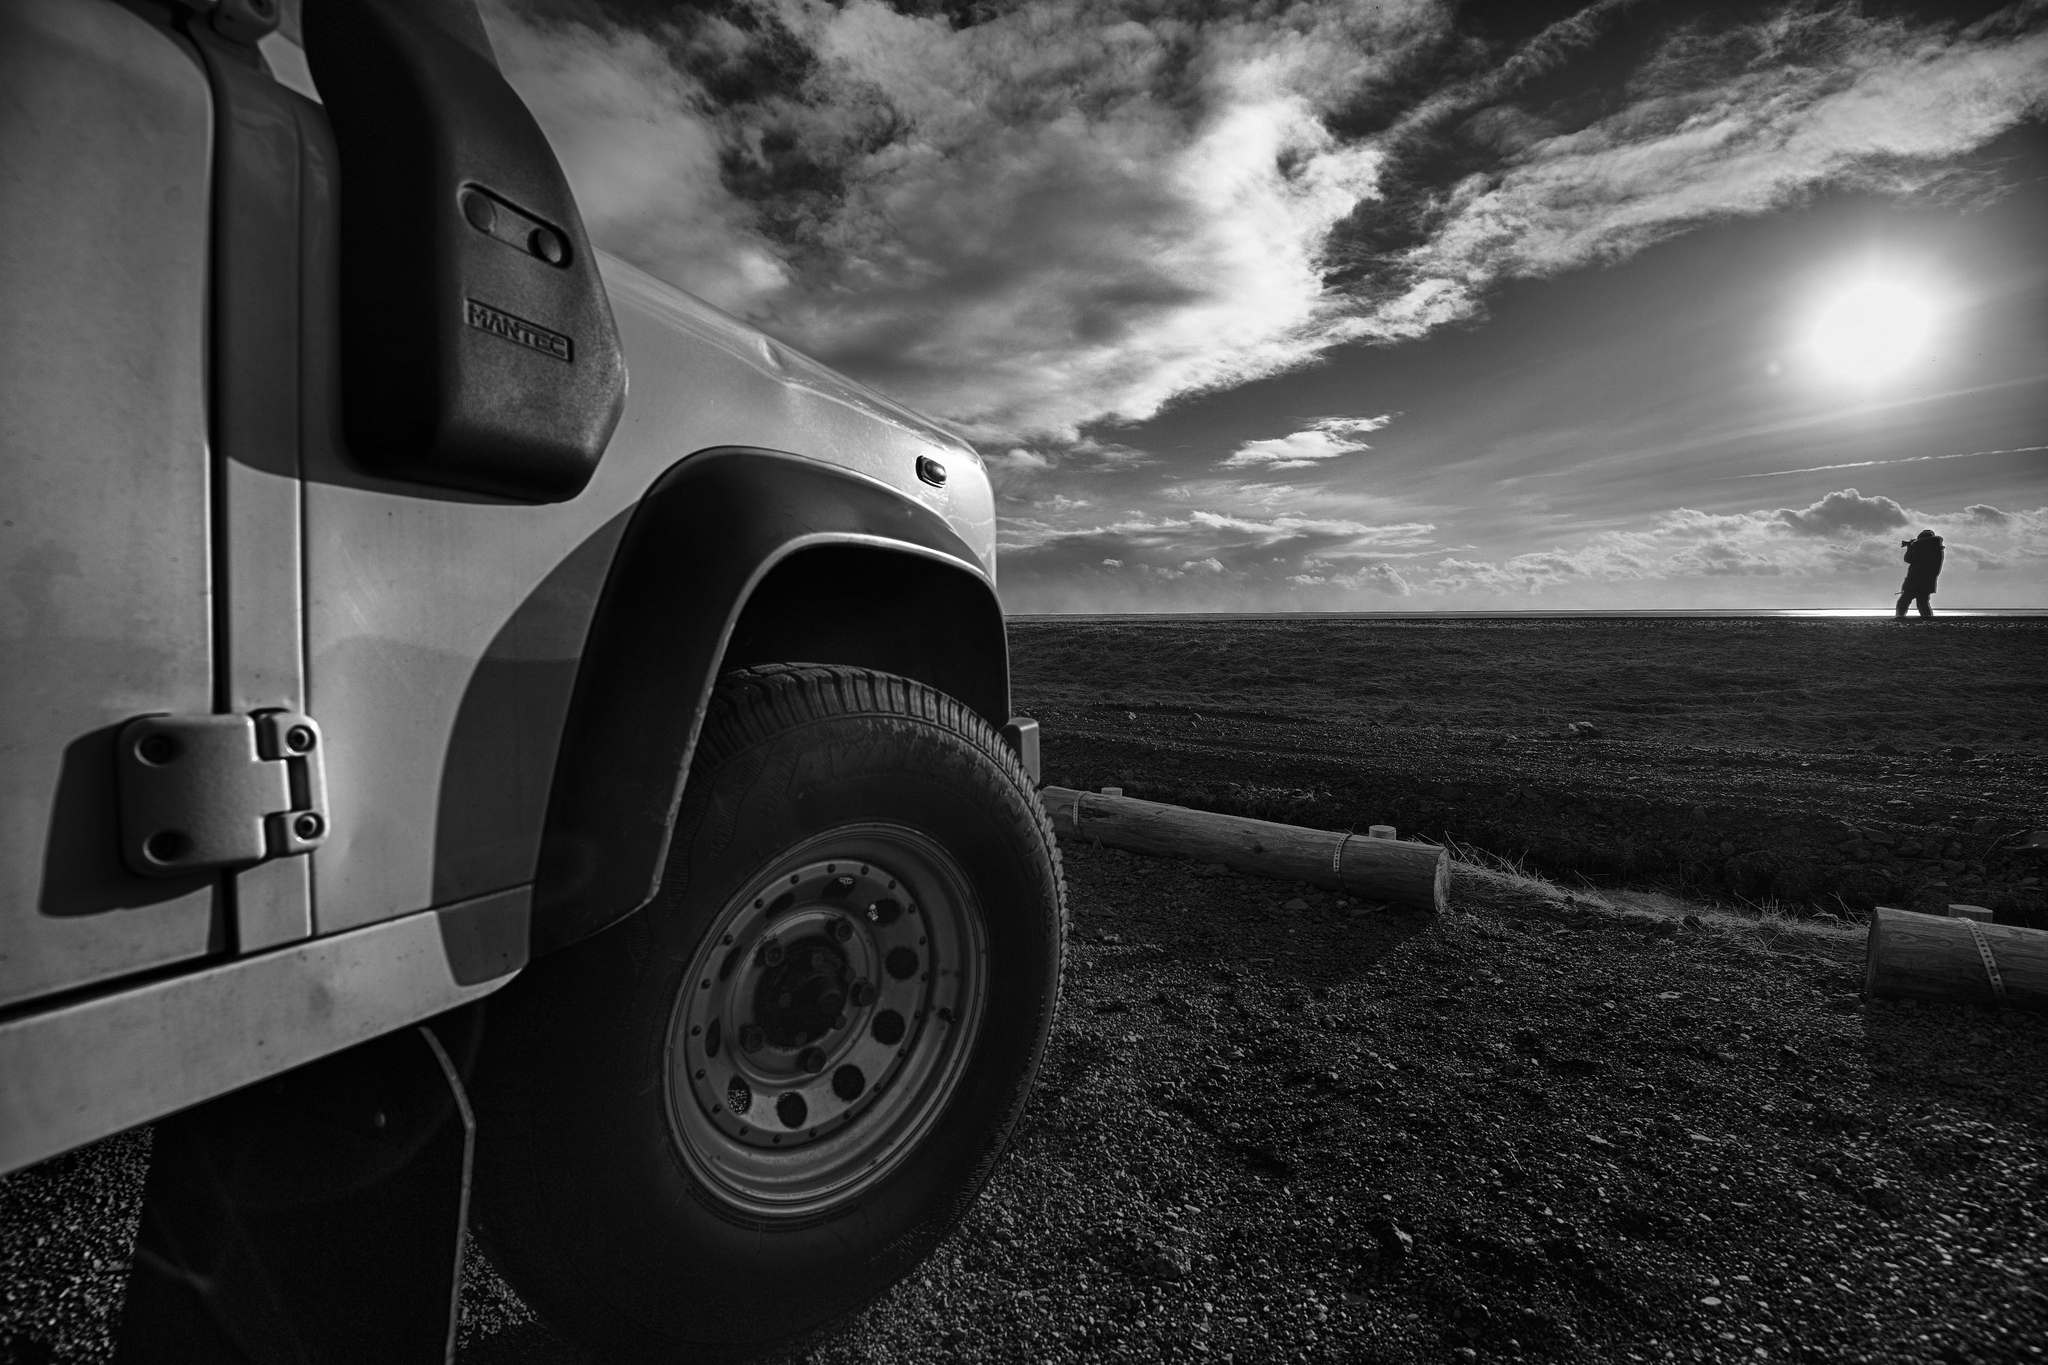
column 478, row 346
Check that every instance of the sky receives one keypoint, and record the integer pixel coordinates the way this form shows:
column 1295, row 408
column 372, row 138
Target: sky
column 1409, row 305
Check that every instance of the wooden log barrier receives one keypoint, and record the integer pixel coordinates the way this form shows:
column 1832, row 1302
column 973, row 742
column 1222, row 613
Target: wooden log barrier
column 1955, row 959
column 1417, row 875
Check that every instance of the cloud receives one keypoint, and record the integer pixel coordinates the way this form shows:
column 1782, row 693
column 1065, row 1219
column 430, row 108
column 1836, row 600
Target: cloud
column 1978, row 557
column 1909, row 459
column 1984, row 514
column 1228, row 545
column 1844, row 533
column 1037, row 215
column 1737, row 122
column 1323, row 439
column 1349, row 535
column 1383, row 579
column 1846, row 511
column 1068, row 212
column 1269, row 550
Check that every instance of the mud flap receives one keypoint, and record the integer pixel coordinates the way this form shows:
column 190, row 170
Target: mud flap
column 315, row 1217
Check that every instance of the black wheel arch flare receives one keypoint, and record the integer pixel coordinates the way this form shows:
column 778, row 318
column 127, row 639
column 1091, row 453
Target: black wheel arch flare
column 739, row 556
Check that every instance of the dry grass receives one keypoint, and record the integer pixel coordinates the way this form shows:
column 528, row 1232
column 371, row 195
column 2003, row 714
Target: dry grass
column 1491, row 886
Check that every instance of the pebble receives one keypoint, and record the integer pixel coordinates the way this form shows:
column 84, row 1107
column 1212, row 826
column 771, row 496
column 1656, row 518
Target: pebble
column 1296, row 904
column 1393, row 1240
column 1163, row 1265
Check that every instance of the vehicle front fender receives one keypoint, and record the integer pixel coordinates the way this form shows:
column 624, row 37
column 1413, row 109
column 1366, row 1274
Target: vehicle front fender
column 736, row 557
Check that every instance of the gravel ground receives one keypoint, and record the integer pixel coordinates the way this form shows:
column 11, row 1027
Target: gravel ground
column 1811, row 764
column 1540, row 1126
column 1275, row 1127
column 66, row 1228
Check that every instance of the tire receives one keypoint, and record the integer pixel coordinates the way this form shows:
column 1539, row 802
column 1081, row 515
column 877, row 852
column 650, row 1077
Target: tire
column 643, row 1177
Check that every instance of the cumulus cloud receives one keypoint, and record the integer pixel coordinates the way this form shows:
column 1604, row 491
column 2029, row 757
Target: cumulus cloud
column 1040, row 214
column 1846, row 511
column 1323, row 439
column 1382, row 579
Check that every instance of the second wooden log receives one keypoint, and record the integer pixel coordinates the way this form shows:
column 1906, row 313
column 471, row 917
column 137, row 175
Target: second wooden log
column 1417, row 875
column 1941, row 959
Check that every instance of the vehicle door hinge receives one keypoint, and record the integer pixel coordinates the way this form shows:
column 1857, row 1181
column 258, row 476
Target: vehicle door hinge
column 200, row 792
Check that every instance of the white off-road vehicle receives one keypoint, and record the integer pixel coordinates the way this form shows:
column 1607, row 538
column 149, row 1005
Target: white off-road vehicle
column 440, row 780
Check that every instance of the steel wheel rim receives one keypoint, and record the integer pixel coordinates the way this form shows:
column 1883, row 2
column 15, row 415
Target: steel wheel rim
column 752, row 1028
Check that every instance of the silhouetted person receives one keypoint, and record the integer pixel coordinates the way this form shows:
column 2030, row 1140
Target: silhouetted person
column 1923, row 566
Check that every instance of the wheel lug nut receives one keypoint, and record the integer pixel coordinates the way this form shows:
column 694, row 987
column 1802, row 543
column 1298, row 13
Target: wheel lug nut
column 771, row 954
column 751, row 1038
column 838, row 1021
column 863, row 994
column 812, row 1060
column 842, row 930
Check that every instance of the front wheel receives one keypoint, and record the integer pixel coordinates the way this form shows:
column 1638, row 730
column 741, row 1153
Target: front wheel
column 745, row 1111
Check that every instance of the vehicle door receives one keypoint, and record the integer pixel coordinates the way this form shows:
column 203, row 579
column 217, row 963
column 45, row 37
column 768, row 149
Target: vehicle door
column 148, row 520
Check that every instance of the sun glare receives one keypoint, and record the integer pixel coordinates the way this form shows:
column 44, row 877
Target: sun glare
column 1871, row 331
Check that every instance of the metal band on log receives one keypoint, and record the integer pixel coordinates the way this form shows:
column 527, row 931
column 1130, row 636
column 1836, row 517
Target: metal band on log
column 1417, row 875
column 1955, row 959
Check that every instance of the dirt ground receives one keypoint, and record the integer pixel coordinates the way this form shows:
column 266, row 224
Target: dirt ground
column 1563, row 1121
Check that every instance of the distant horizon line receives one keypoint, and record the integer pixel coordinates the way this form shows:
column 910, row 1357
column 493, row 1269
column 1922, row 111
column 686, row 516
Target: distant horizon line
column 1837, row 613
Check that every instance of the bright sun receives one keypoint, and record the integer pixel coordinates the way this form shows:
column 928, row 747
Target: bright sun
column 1872, row 330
